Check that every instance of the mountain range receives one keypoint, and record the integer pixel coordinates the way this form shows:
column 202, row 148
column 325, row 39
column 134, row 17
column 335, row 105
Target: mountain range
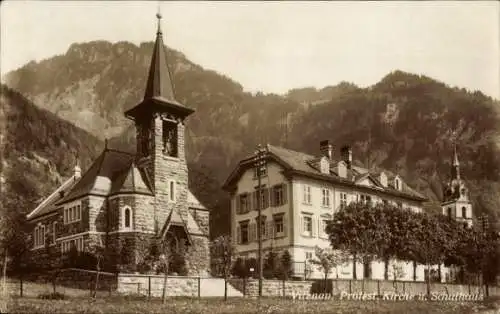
column 405, row 123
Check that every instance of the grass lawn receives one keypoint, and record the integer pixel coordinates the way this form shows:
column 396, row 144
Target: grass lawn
column 78, row 301
column 120, row 304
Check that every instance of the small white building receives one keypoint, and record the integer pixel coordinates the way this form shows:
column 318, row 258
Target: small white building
column 301, row 193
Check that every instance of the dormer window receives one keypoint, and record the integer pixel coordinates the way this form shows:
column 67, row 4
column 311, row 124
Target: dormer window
column 324, row 165
column 341, row 169
column 383, row 179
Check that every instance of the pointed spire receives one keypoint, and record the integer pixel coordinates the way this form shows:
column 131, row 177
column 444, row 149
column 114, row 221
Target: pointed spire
column 456, row 163
column 159, row 82
column 455, row 168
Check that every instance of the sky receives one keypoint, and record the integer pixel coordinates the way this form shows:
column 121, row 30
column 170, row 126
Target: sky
column 276, row 46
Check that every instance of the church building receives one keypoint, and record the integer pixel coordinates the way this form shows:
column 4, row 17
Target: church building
column 124, row 200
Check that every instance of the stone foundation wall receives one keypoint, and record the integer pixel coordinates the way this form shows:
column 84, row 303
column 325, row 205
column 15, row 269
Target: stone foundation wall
column 250, row 287
column 143, row 284
column 77, row 278
column 198, row 257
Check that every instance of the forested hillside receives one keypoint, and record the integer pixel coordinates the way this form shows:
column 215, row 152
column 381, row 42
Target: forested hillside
column 404, row 122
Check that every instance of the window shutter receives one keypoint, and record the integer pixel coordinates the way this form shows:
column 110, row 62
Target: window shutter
column 264, row 232
column 313, row 226
column 255, row 235
column 266, row 197
column 269, row 230
column 251, row 235
column 302, row 224
column 253, row 203
column 250, row 232
column 238, row 234
column 237, row 205
column 285, row 227
column 272, row 196
column 284, row 194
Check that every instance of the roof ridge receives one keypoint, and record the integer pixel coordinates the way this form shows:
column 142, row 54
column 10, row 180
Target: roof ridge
column 114, row 150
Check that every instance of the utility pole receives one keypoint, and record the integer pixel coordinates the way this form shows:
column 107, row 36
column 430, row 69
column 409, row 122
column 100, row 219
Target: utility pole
column 259, row 164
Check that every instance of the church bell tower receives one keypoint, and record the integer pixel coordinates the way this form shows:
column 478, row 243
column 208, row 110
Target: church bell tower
column 456, row 202
column 159, row 121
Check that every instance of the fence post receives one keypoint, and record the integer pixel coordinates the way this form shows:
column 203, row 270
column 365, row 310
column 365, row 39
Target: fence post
column 378, row 287
column 21, row 286
column 305, row 270
column 404, row 288
column 350, row 288
column 149, row 286
column 244, row 286
column 199, row 287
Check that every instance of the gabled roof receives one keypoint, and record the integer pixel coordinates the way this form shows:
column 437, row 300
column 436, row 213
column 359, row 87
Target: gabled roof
column 175, row 219
column 193, row 202
column 112, row 172
column 298, row 163
column 131, row 180
column 48, row 205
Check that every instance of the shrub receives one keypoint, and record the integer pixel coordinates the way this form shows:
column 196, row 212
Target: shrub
column 144, row 268
column 52, row 296
column 322, row 286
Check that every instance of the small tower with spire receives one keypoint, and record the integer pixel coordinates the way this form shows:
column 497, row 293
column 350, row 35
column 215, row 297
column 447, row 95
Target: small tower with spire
column 456, row 203
column 77, row 171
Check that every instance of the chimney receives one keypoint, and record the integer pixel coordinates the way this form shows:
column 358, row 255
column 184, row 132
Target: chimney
column 326, row 149
column 346, row 155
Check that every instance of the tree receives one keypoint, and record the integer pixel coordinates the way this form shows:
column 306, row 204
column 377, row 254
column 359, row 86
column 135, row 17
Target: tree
column 170, row 248
column 53, row 262
column 397, row 272
column 429, row 248
column 97, row 250
column 325, row 260
column 223, row 254
column 271, row 265
column 239, row 268
column 286, row 265
column 356, row 229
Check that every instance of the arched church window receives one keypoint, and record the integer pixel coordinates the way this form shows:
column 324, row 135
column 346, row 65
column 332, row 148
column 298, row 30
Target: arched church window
column 462, row 191
column 127, row 218
column 464, row 212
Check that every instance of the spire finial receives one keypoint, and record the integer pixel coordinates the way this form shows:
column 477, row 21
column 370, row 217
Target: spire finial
column 158, row 16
